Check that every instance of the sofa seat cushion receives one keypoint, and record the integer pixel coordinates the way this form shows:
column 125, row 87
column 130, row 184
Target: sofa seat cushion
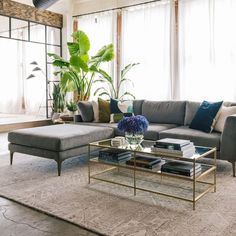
column 153, row 131
column 199, row 138
column 59, row 137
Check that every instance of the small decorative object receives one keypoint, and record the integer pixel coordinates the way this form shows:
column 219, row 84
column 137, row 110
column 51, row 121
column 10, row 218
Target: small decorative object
column 118, row 141
column 134, row 128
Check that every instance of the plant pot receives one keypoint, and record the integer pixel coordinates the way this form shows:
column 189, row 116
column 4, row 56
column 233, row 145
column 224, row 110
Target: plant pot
column 78, row 118
column 55, row 116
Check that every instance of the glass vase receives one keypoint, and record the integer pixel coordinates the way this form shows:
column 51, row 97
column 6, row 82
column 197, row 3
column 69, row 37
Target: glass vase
column 134, row 139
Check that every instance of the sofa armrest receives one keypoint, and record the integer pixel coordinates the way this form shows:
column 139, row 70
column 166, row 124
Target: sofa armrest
column 228, row 140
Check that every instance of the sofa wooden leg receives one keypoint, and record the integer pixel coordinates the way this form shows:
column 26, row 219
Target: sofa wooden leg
column 11, row 157
column 59, row 168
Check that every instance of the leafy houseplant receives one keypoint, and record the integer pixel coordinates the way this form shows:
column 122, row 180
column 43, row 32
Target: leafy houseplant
column 134, row 128
column 112, row 92
column 58, row 97
column 77, row 74
column 72, row 107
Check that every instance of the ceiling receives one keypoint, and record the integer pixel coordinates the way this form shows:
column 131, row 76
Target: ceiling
column 59, row 7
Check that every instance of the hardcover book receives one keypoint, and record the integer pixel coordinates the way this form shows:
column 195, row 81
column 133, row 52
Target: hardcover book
column 188, row 152
column 181, row 173
column 116, row 153
column 144, row 161
column 180, row 167
column 110, row 159
column 172, row 143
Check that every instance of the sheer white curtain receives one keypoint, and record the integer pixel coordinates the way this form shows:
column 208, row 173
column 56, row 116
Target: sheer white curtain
column 35, row 88
column 146, row 39
column 207, row 49
column 11, row 84
column 18, row 95
column 101, row 30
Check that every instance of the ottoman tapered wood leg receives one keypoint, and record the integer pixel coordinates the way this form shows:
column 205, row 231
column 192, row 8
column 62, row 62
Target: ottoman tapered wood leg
column 59, row 168
column 233, row 166
column 11, row 157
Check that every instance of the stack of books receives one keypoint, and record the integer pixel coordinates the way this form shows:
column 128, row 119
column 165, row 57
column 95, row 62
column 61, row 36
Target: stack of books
column 114, row 155
column 181, row 168
column 144, row 161
column 180, row 147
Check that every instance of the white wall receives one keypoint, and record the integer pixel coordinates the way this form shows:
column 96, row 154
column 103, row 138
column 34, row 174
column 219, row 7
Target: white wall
column 88, row 6
column 65, row 7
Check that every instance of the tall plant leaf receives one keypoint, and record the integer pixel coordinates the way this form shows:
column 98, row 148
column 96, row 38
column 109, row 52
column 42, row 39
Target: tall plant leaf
column 127, row 69
column 82, row 40
column 78, row 63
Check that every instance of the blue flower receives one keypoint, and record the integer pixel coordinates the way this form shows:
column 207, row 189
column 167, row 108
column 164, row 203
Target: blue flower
column 133, row 124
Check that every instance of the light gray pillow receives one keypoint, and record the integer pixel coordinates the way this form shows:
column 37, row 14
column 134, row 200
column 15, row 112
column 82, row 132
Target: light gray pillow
column 86, row 111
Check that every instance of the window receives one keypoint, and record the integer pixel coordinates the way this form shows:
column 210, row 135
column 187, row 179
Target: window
column 4, row 26
column 21, row 43
column 195, row 60
column 207, row 49
column 37, row 32
column 19, row 29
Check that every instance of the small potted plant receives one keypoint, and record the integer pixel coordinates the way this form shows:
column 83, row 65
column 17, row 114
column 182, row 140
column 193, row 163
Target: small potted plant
column 72, row 107
column 134, row 128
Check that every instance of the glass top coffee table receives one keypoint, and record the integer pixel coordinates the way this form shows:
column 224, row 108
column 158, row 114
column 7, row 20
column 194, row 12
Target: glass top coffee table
column 187, row 188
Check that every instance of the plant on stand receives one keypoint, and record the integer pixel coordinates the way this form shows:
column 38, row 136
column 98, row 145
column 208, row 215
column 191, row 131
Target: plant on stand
column 77, row 74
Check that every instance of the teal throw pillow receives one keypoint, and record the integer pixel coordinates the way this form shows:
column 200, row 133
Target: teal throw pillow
column 205, row 117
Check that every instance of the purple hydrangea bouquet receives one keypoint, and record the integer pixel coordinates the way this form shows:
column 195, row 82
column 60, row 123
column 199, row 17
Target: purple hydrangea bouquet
column 134, row 128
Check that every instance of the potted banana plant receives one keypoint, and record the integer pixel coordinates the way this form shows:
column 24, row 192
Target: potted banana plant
column 110, row 90
column 77, row 74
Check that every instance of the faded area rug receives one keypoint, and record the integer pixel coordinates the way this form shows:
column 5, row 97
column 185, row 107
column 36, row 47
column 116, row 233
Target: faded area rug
column 114, row 210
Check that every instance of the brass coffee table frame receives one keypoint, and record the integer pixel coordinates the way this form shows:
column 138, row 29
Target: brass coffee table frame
column 194, row 179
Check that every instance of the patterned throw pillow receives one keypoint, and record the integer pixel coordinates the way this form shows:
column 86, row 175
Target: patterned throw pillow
column 119, row 109
column 104, row 110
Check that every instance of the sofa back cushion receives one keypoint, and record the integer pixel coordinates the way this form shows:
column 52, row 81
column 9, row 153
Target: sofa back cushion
column 86, row 111
column 137, row 107
column 191, row 110
column 164, row 112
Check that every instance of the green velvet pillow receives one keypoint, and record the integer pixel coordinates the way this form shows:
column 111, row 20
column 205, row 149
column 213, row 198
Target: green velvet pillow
column 104, row 110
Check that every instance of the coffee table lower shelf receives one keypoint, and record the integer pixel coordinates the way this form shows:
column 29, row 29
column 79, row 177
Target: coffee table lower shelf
column 134, row 171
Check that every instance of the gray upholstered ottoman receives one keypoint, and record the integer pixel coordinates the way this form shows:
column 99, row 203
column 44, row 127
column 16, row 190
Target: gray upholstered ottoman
column 57, row 142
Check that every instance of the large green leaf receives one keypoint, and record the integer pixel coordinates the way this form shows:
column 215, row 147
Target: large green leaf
column 106, row 53
column 55, row 56
column 60, row 63
column 73, row 48
column 78, row 63
column 82, row 40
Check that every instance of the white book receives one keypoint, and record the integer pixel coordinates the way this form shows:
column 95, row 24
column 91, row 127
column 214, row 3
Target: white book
column 185, row 153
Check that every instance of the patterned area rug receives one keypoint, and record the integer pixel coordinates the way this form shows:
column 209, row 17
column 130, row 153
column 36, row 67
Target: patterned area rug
column 114, row 210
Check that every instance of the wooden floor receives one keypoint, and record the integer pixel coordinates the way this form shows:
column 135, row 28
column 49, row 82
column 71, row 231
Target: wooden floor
column 9, row 122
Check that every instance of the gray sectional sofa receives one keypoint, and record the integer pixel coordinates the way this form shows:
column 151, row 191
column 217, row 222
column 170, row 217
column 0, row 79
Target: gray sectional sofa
column 171, row 119
column 168, row 119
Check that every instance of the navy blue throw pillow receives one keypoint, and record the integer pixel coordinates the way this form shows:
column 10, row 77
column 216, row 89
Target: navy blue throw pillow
column 204, row 118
